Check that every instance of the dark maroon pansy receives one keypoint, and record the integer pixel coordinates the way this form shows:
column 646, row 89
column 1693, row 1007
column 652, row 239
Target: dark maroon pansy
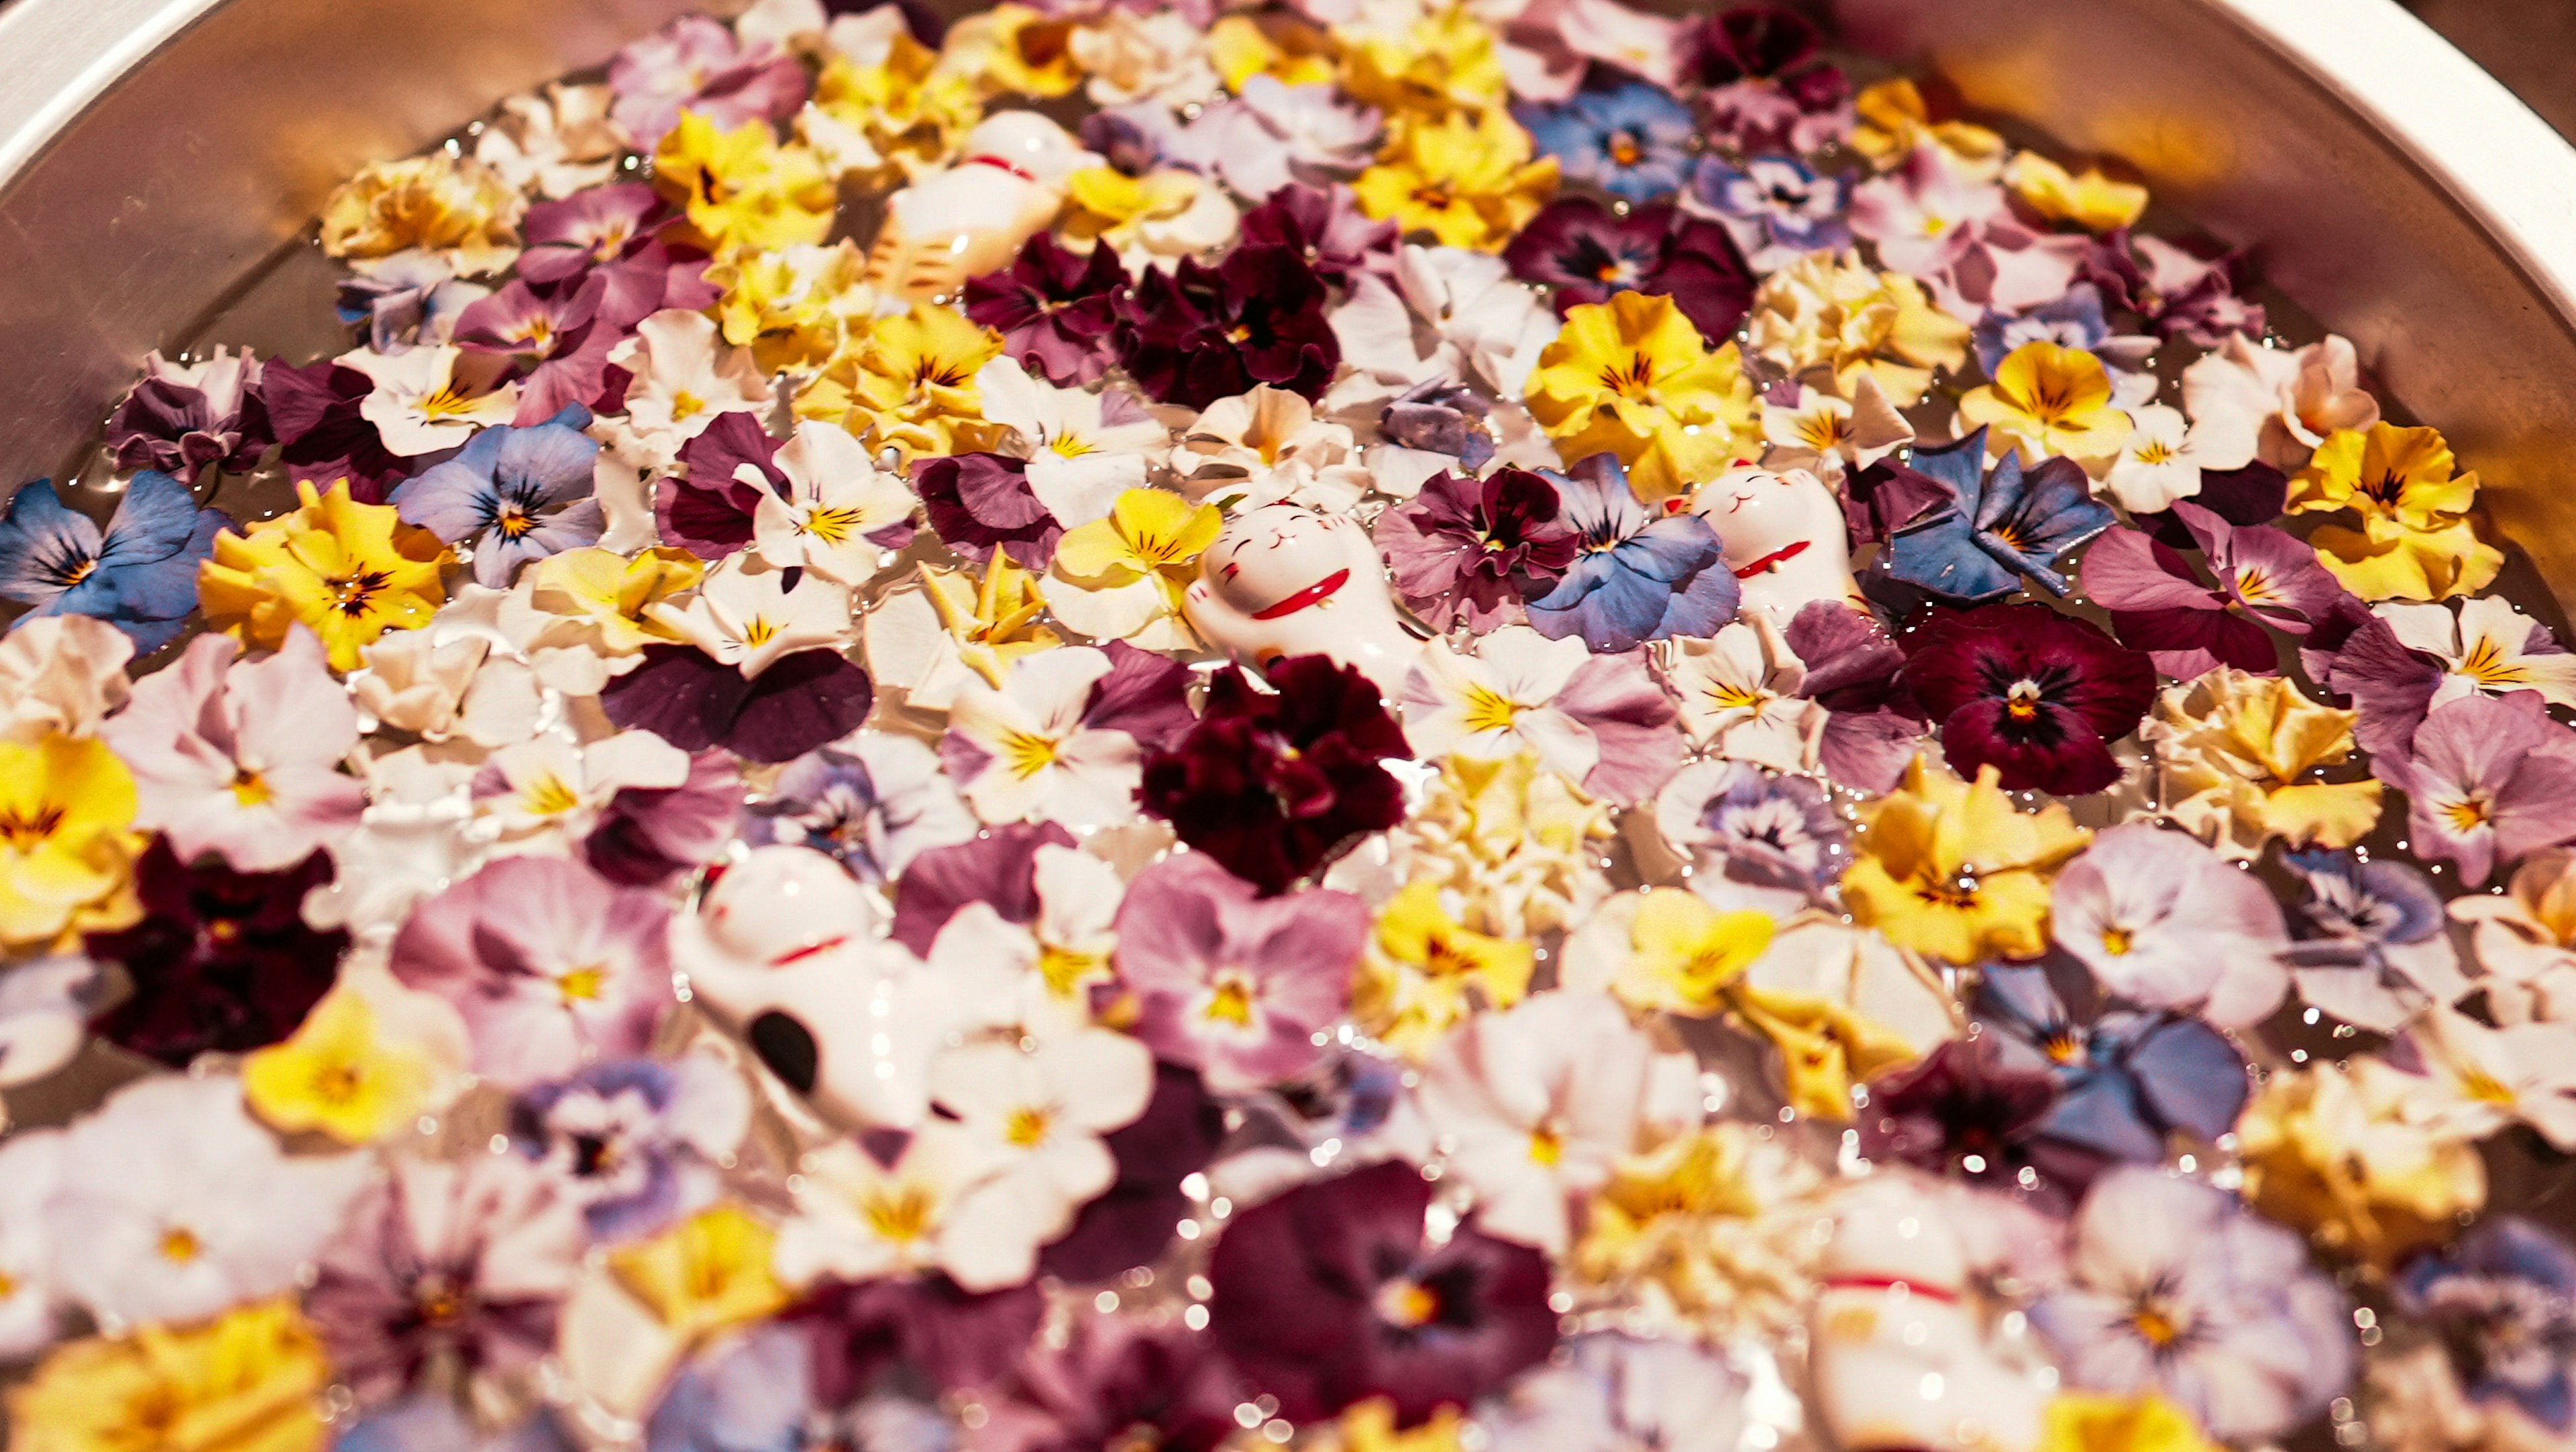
column 1963, row 1109
column 1469, row 551
column 324, row 437
column 980, row 503
column 1136, row 1219
column 221, row 961
column 930, row 1327
column 1053, row 307
column 1325, row 226
column 695, row 702
column 1274, row 784
column 1197, row 333
column 648, row 835
column 1585, row 252
column 1766, row 84
column 2037, row 695
column 2255, row 494
column 1121, row 1381
column 1855, row 671
column 1334, row 1293
column 999, row 868
column 708, row 510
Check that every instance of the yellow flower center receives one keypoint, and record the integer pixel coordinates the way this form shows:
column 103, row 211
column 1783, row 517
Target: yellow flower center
column 180, row 1245
column 2158, row 1328
column 337, row 1083
column 2485, row 1088
column 1632, row 379
column 2155, row 451
column 28, row 831
column 1728, row 696
column 547, row 796
column 759, row 632
column 901, row 1215
column 1025, row 754
column 2021, row 703
column 1230, row 1000
column 514, row 522
column 2486, row 665
column 450, row 401
column 1407, row 1303
column 581, row 985
column 1490, row 710
column 832, row 526
column 1626, row 149
column 1028, row 1127
column 686, row 405
column 2469, row 813
column 2117, row 941
column 355, row 595
column 1547, row 1146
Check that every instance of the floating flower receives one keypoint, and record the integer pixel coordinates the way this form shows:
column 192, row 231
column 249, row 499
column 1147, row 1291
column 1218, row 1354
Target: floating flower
column 2525, row 939
column 2416, row 541
column 553, row 142
column 1518, row 844
column 244, row 1382
column 2265, row 578
column 437, row 202
column 910, row 385
column 1639, row 576
column 1740, row 698
column 1632, row 377
column 2490, row 781
column 1707, row 1231
column 1115, row 578
column 2091, row 201
column 2372, row 947
column 2002, row 524
column 1469, row 551
column 685, row 382
column 1777, row 208
column 347, row 571
column 1680, row 955
column 892, row 94
column 423, row 400
column 1275, row 784
column 835, row 512
column 1266, row 446
column 221, row 961
column 138, row 574
column 743, row 191
column 1467, row 179
column 935, row 1206
column 638, row 1141
column 1599, row 721
column 751, row 618
column 1948, row 868
column 1587, row 254
column 1740, row 821
column 181, row 418
column 1445, row 63
column 871, row 800
column 2250, row 401
column 696, row 64
column 1015, row 47
column 2340, row 1151
column 2049, row 400
column 1827, row 317
column 1895, row 122
column 2131, row 1080
column 2162, row 921
column 1631, row 140
column 2234, row 762
column 612, row 596
column 2036, row 694
column 1331, row 1294
column 795, row 309
column 2486, row 648
column 1054, row 308
column 1040, row 1111
column 1064, row 737
column 708, row 1274
column 2504, row 1300
column 1231, row 983
column 352, row 1070
column 2179, row 1289
column 513, row 496
column 982, row 507
column 1926, row 214
column 1199, row 333
column 1425, row 971
column 1084, row 449
column 1970, row 1107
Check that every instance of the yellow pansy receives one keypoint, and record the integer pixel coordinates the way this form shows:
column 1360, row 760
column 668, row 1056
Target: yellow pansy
column 453, row 206
column 2416, row 541
column 1894, row 121
column 1633, row 377
column 1685, row 955
column 1828, row 318
column 1425, row 971
column 67, row 842
column 992, row 619
column 2091, row 201
column 706, row 1274
column 615, row 594
column 913, row 111
column 795, row 308
column 347, row 571
column 910, row 385
column 1166, row 211
column 2336, row 1150
column 1014, row 48
column 1706, row 1231
column 250, row 1380
column 339, row 1076
column 1276, row 43
column 1369, row 1426
column 2147, row 1421
column 1825, row 1047
column 1466, row 178
column 741, row 189
column 2048, row 399
column 1444, row 63
column 1950, row 870
column 1518, row 843
column 2235, row 756
column 1148, row 534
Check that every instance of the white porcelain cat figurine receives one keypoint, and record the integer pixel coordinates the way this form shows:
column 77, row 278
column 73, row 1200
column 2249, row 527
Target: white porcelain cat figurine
column 1783, row 536
column 972, row 218
column 1283, row 581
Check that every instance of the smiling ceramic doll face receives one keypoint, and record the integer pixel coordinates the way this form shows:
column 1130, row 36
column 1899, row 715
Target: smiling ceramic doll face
column 1278, row 560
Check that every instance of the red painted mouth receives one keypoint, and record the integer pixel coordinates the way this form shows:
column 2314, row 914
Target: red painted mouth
column 1315, row 593
column 1782, row 555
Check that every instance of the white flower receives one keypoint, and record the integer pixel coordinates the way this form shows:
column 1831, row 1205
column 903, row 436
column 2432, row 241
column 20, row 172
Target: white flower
column 1023, row 753
column 175, row 1206
column 30, row 1168
column 748, row 616
column 2490, row 648
column 420, row 405
column 2249, row 400
column 546, row 793
column 1084, row 448
column 2157, row 465
column 61, row 674
column 1135, row 56
column 45, row 1008
column 1450, row 314
column 437, row 684
column 1827, row 435
column 555, row 143
column 940, row 1206
column 1267, row 446
column 405, row 849
column 1500, row 701
column 1039, row 1112
column 1034, row 980
column 1739, row 696
column 837, row 500
column 2163, row 921
column 684, row 377
column 2483, row 1079
column 1538, row 1103
column 1277, row 133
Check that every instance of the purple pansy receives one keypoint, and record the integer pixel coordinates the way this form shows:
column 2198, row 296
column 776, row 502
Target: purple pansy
column 2265, row 577
column 1855, row 670
column 2037, row 695
column 998, row 868
column 636, row 1140
column 181, row 418
column 1335, row 1292
column 1640, row 576
column 1777, row 207
column 1229, row 982
column 139, row 574
column 618, row 235
column 1469, row 551
column 2492, row 779
column 694, row 701
column 953, row 1337
column 1779, row 831
column 514, row 495
column 980, row 503
column 1054, row 308
column 322, row 432
column 2389, row 685
column 2179, row 294
column 1769, row 87
column 1585, row 253
column 1324, row 225
column 554, row 341
column 648, row 835
column 2004, row 523
column 873, row 802
column 406, row 300
column 2504, row 1303
column 696, row 64
column 2373, row 944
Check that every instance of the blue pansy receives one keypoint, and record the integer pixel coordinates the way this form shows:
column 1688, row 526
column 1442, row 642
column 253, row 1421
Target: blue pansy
column 2006, row 523
column 2073, row 320
column 1641, row 576
column 517, row 495
column 751, row 1398
column 1777, row 207
column 2373, row 940
column 139, row 574
column 2504, row 1301
column 2132, row 1078
column 1632, row 141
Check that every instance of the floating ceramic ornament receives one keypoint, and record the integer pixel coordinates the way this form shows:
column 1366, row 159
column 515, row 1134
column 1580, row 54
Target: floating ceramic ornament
column 971, row 219
column 1783, row 536
column 1282, row 580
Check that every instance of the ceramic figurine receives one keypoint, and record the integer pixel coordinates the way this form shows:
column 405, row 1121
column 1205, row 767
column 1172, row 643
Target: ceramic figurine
column 1783, row 535
column 783, row 952
column 1283, row 581
column 1899, row 1356
column 972, row 218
